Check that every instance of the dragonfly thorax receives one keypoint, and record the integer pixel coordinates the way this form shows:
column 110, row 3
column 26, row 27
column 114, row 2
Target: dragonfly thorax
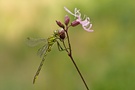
column 51, row 40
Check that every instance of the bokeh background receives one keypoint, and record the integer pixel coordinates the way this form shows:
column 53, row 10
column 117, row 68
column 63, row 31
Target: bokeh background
column 105, row 57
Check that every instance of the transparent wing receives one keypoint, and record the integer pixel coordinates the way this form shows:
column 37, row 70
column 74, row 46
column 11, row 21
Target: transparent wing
column 41, row 51
column 34, row 42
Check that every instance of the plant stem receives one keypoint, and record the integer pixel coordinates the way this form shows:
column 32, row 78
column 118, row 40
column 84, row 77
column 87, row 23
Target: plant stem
column 78, row 71
column 70, row 50
column 71, row 57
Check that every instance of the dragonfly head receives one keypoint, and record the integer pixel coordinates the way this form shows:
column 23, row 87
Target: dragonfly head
column 56, row 32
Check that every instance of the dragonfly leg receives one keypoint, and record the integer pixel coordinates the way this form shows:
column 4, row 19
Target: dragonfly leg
column 60, row 47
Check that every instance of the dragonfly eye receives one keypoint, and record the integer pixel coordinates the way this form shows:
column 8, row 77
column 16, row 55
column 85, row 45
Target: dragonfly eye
column 56, row 32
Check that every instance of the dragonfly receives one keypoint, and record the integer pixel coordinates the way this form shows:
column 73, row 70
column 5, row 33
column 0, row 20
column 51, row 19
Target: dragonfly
column 58, row 35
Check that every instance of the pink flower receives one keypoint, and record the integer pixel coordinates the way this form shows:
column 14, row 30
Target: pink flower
column 84, row 22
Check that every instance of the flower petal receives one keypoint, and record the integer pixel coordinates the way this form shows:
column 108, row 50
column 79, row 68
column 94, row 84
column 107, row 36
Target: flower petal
column 87, row 28
column 69, row 11
column 85, row 22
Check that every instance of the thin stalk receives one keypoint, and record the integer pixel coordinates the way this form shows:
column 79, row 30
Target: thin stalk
column 70, row 50
column 79, row 72
column 70, row 55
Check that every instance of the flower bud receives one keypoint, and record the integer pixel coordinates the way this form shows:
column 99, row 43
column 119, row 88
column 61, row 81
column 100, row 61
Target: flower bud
column 75, row 23
column 59, row 24
column 67, row 19
column 62, row 34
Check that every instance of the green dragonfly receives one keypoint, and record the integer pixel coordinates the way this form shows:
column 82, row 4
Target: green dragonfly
column 58, row 35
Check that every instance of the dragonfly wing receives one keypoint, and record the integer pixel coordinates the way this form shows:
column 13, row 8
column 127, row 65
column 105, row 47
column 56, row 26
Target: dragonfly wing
column 34, row 42
column 41, row 51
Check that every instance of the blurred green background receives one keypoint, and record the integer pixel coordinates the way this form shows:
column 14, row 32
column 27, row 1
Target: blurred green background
column 105, row 57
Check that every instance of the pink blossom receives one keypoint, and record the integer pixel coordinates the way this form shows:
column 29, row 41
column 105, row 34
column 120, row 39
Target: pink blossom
column 84, row 22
